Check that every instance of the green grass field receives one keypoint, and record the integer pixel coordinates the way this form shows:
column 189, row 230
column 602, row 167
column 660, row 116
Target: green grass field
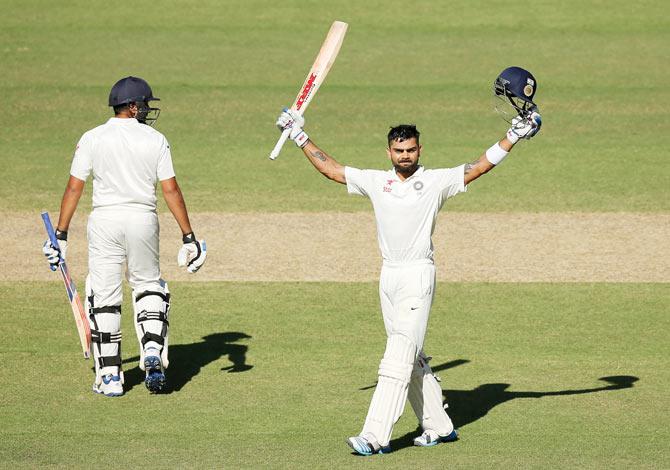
column 223, row 72
column 521, row 379
column 279, row 374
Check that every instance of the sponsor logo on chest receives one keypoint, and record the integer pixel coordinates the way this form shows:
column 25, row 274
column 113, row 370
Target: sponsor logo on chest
column 417, row 187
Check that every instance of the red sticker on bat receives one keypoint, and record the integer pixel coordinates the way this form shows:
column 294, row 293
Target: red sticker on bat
column 305, row 92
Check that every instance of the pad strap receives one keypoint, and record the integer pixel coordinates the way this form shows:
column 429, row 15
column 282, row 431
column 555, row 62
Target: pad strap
column 159, row 316
column 141, row 295
column 146, row 316
column 152, row 337
column 110, row 361
column 107, row 309
column 110, row 309
column 104, row 337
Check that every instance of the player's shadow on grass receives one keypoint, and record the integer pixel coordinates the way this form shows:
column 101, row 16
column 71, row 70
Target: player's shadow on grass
column 467, row 406
column 186, row 360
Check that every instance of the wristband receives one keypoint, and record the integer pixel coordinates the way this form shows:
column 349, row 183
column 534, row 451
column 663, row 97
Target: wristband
column 188, row 238
column 61, row 235
column 301, row 139
column 496, row 154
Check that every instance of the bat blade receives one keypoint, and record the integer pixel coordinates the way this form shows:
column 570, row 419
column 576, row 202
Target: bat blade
column 83, row 328
column 316, row 76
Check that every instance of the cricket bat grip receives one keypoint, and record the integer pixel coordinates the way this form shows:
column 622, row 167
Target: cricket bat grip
column 280, row 143
column 51, row 233
column 50, row 230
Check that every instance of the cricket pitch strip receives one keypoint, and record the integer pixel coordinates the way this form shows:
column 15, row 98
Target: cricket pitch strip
column 342, row 247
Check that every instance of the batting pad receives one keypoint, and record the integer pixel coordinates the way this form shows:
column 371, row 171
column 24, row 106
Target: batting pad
column 389, row 399
column 105, row 324
column 425, row 396
column 152, row 308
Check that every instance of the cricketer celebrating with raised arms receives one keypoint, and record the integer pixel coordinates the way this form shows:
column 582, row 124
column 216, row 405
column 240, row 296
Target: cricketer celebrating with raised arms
column 127, row 157
column 406, row 201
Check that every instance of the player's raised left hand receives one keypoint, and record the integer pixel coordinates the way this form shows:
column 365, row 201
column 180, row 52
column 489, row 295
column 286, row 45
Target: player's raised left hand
column 525, row 127
column 290, row 119
column 192, row 254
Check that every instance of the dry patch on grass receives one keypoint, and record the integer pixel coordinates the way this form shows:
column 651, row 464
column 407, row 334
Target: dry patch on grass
column 475, row 247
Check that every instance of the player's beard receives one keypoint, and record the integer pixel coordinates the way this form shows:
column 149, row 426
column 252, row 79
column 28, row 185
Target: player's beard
column 407, row 171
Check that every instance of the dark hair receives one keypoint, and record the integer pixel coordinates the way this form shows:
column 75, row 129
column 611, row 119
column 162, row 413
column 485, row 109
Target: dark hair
column 120, row 107
column 403, row 132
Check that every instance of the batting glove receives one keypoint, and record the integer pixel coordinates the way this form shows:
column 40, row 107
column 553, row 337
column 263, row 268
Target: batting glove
column 55, row 255
column 524, row 127
column 192, row 254
column 290, row 119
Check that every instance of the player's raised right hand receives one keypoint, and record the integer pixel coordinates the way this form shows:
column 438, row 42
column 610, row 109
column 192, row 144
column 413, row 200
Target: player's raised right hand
column 290, row 119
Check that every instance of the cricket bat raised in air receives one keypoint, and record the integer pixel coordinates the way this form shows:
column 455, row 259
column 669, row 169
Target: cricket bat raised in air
column 316, row 76
column 75, row 302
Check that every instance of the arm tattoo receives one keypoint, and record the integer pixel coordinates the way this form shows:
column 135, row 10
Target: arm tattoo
column 470, row 166
column 318, row 154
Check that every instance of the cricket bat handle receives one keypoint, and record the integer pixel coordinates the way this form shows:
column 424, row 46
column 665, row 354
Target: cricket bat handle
column 280, row 143
column 51, row 233
column 50, row 229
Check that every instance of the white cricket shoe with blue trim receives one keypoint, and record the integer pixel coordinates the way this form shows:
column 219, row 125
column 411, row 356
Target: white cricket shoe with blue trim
column 430, row 438
column 363, row 446
column 110, row 386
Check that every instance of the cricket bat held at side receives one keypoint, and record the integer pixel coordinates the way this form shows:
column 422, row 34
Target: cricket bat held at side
column 322, row 64
column 78, row 311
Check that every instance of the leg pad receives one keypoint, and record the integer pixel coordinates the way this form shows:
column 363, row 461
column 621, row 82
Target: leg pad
column 425, row 396
column 388, row 401
column 152, row 308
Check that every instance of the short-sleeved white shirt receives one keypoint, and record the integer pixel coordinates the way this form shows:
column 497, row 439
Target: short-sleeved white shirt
column 127, row 159
column 406, row 210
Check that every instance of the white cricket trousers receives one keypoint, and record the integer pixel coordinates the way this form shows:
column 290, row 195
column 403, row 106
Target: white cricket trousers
column 406, row 293
column 120, row 239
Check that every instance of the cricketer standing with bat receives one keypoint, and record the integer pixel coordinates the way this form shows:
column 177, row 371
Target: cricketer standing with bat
column 406, row 201
column 127, row 158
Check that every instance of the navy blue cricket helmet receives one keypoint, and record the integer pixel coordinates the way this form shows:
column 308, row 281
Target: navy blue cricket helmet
column 131, row 90
column 516, row 87
column 135, row 90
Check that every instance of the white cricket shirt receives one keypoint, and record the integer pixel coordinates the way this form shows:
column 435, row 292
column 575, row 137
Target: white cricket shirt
column 406, row 210
column 127, row 159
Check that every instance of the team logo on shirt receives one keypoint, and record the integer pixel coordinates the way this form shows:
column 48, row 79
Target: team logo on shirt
column 418, row 185
column 387, row 186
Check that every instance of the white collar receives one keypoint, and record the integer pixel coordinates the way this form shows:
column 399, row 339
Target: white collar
column 115, row 120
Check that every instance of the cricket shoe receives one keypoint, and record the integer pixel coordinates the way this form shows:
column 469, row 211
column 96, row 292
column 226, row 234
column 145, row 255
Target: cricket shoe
column 430, row 438
column 109, row 386
column 155, row 379
column 362, row 446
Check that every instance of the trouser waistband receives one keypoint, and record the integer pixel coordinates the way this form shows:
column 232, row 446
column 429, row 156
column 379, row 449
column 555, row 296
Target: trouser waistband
column 402, row 264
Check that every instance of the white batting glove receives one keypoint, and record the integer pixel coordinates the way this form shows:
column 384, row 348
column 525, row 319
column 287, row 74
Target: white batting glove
column 54, row 255
column 192, row 254
column 290, row 119
column 524, row 127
